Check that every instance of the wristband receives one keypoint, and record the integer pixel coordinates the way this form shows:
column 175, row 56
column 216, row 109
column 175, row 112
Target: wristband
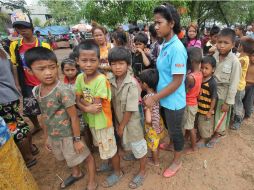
column 76, row 139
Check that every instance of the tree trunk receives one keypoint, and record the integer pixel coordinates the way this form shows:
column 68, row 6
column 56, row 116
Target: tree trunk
column 222, row 13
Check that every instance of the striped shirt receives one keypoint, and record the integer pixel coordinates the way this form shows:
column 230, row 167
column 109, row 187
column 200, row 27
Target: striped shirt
column 207, row 93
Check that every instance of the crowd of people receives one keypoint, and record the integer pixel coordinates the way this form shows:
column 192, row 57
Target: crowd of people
column 125, row 92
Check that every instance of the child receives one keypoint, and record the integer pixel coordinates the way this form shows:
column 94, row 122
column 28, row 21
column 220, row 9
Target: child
column 245, row 49
column 193, row 85
column 70, row 71
column 93, row 97
column 154, row 130
column 140, row 60
column 249, row 90
column 227, row 75
column 23, row 79
column 9, row 111
column 125, row 102
column 192, row 36
column 61, row 123
column 210, row 46
column 206, row 100
column 119, row 38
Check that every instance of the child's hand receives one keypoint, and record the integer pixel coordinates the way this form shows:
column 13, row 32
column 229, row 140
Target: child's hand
column 79, row 147
column 139, row 50
column 94, row 108
column 119, row 130
column 224, row 107
column 149, row 101
column 147, row 51
column 48, row 146
column 209, row 115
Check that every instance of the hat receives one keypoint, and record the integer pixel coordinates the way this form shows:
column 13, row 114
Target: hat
column 21, row 19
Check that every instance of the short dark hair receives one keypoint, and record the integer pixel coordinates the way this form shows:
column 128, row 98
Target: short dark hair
column 194, row 55
column 214, row 30
column 119, row 54
column 210, row 60
column 152, row 30
column 38, row 54
column 89, row 44
column 170, row 14
column 104, row 31
column 229, row 33
column 247, row 44
column 150, row 77
column 120, row 38
column 68, row 61
column 141, row 37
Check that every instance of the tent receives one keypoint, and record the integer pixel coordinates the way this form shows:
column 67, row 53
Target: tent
column 55, row 30
column 82, row 27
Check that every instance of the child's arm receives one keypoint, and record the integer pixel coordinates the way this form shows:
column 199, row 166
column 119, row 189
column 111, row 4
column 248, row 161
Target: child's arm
column 72, row 112
column 148, row 115
column 145, row 59
column 190, row 82
column 250, row 81
column 45, row 132
column 123, row 123
column 211, row 111
column 214, row 96
column 91, row 108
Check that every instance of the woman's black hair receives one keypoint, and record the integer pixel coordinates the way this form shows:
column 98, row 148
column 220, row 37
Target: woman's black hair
column 170, row 14
column 120, row 38
column 152, row 31
column 119, row 54
column 150, row 77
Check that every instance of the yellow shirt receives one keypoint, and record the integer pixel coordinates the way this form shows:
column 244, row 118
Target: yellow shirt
column 245, row 64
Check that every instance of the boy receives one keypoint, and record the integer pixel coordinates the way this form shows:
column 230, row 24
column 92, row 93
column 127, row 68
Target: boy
column 193, row 85
column 227, row 75
column 61, row 123
column 206, row 100
column 23, row 79
column 93, row 97
column 125, row 102
column 249, row 90
column 210, row 46
column 245, row 49
column 140, row 60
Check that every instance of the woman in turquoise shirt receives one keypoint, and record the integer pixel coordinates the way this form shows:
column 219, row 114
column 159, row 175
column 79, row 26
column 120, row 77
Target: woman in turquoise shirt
column 171, row 65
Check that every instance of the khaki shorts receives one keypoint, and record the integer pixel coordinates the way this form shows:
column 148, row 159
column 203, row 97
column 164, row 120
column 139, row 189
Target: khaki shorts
column 139, row 148
column 64, row 150
column 106, row 141
column 189, row 116
column 205, row 126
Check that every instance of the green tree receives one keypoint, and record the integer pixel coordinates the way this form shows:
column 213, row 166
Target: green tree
column 14, row 4
column 36, row 21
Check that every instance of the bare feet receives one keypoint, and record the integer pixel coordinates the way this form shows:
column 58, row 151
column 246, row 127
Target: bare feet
column 190, row 150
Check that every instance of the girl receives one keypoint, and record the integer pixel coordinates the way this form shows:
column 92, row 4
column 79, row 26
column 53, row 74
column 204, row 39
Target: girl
column 70, row 70
column 9, row 111
column 192, row 36
column 171, row 65
column 119, row 38
column 154, row 130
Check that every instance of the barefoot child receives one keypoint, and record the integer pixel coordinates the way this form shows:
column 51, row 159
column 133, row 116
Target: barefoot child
column 207, row 100
column 93, row 98
column 193, row 85
column 61, row 123
column 154, row 129
column 70, row 71
column 227, row 75
column 249, row 90
column 125, row 103
column 245, row 49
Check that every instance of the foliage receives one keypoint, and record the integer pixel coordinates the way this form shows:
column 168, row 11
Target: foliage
column 14, row 4
column 36, row 21
column 4, row 21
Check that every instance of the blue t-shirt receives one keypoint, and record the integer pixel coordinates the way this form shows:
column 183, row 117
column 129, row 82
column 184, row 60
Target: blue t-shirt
column 5, row 134
column 172, row 60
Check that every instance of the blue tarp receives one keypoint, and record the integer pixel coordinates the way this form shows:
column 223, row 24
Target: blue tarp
column 55, row 30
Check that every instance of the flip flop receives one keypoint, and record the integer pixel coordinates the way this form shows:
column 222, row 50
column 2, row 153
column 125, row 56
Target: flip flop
column 213, row 142
column 169, row 172
column 201, row 145
column 70, row 180
column 136, row 182
column 112, row 180
column 31, row 163
column 129, row 157
column 104, row 167
column 35, row 151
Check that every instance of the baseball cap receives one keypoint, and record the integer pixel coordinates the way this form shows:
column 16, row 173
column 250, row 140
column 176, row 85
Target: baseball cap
column 21, row 19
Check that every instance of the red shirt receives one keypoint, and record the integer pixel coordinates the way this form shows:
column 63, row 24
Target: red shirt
column 193, row 93
column 30, row 79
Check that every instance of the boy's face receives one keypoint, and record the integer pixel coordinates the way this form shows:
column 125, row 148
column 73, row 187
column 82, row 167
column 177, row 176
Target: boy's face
column 119, row 68
column 224, row 44
column 88, row 61
column 25, row 32
column 214, row 38
column 207, row 69
column 139, row 45
column 46, row 71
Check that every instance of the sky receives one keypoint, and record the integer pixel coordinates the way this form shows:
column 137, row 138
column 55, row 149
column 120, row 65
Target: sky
column 29, row 2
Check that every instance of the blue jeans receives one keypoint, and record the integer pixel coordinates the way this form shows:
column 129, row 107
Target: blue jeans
column 173, row 120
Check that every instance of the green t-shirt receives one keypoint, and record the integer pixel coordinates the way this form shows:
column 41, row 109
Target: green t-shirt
column 99, row 87
column 53, row 106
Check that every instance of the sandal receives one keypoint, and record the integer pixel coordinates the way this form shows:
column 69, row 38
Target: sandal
column 213, row 142
column 169, row 172
column 31, row 163
column 35, row 150
column 129, row 157
column 136, row 182
column 70, row 180
column 112, row 180
column 104, row 167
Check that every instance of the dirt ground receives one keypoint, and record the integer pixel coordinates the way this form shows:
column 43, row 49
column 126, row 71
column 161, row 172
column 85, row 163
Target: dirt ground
column 230, row 165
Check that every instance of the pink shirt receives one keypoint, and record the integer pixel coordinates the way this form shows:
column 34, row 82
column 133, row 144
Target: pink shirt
column 194, row 43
